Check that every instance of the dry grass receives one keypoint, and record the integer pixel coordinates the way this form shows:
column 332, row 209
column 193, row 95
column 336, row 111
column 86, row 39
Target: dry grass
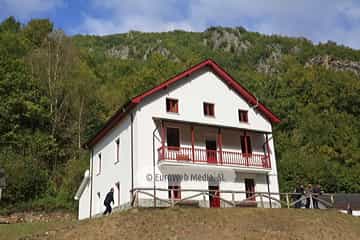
column 215, row 224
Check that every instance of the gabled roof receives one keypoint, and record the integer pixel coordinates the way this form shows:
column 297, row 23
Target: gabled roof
column 221, row 73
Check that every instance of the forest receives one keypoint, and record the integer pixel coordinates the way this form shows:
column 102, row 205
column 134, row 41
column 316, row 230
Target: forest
column 57, row 90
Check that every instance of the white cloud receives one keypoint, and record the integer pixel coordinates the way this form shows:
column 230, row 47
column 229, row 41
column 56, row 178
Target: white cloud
column 25, row 8
column 319, row 20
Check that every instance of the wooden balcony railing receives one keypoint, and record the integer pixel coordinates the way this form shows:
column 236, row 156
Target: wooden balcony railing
column 217, row 157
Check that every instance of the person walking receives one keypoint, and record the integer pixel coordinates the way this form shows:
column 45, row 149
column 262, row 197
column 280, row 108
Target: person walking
column 316, row 193
column 308, row 192
column 108, row 200
column 299, row 191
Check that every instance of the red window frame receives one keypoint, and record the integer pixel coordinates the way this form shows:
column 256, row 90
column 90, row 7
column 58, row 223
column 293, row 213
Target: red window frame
column 172, row 105
column 243, row 116
column 176, row 190
column 209, row 109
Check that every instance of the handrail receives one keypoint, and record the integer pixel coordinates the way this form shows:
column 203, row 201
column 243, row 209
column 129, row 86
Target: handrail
column 218, row 157
column 282, row 198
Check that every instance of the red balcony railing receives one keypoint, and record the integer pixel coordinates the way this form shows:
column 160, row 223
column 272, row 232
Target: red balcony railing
column 229, row 158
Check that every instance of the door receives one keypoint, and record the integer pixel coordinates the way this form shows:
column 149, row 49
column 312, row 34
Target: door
column 211, row 151
column 246, row 144
column 214, row 196
column 250, row 189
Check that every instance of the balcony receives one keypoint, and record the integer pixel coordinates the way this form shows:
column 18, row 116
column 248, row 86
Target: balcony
column 213, row 157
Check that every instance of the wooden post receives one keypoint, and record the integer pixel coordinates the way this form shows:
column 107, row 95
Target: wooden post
column 204, row 198
column 246, row 149
column 193, row 143
column 162, row 140
column 172, row 197
column 137, row 198
column 287, row 200
column 233, row 199
column 220, row 144
column 261, row 200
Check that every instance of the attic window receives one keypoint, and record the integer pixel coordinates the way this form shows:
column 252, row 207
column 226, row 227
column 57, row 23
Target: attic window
column 172, row 105
column 209, row 109
column 243, row 116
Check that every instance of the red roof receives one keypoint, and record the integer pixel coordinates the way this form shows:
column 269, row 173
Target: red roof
column 243, row 92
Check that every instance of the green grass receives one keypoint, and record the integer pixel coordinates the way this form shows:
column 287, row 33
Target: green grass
column 20, row 230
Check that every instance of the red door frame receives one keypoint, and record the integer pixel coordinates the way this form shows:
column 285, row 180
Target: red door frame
column 211, row 152
column 214, row 196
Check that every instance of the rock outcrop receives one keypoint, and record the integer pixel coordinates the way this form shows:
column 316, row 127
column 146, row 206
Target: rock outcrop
column 335, row 64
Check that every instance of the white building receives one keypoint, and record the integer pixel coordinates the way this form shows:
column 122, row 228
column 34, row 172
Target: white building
column 200, row 130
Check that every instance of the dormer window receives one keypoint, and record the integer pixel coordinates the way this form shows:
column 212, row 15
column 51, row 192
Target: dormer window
column 209, row 109
column 172, row 105
column 243, row 116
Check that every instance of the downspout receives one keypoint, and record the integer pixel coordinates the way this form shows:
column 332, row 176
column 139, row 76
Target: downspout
column 91, row 175
column 266, row 146
column 132, row 157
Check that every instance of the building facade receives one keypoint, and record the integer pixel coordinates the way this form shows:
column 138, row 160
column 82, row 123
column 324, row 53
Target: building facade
column 198, row 132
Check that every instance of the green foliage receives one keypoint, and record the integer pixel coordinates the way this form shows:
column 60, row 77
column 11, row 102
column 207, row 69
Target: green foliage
column 57, row 91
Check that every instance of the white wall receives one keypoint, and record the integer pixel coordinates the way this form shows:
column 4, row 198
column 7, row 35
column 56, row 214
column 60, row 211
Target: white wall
column 112, row 172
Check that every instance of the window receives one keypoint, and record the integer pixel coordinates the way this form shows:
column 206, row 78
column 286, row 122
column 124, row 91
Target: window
column 243, row 116
column 99, row 164
column 117, row 187
column 246, row 144
column 175, row 190
column 172, row 105
column 173, row 137
column 209, row 109
column 117, row 142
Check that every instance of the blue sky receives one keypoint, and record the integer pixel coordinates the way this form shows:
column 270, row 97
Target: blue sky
column 318, row 20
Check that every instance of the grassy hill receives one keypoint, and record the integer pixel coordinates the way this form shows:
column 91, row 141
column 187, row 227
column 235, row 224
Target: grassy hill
column 207, row 224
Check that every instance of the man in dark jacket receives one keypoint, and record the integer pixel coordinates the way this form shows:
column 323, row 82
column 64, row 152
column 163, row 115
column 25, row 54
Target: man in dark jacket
column 299, row 191
column 316, row 193
column 107, row 202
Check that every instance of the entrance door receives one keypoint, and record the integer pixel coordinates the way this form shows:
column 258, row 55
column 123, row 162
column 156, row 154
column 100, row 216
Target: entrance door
column 211, row 151
column 214, row 196
column 250, row 189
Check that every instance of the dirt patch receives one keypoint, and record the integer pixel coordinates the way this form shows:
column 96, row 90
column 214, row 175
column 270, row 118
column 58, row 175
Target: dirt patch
column 214, row 224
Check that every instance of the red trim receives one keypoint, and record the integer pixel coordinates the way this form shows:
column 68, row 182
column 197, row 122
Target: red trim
column 220, row 144
column 193, row 142
column 162, row 137
column 207, row 63
column 229, row 158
